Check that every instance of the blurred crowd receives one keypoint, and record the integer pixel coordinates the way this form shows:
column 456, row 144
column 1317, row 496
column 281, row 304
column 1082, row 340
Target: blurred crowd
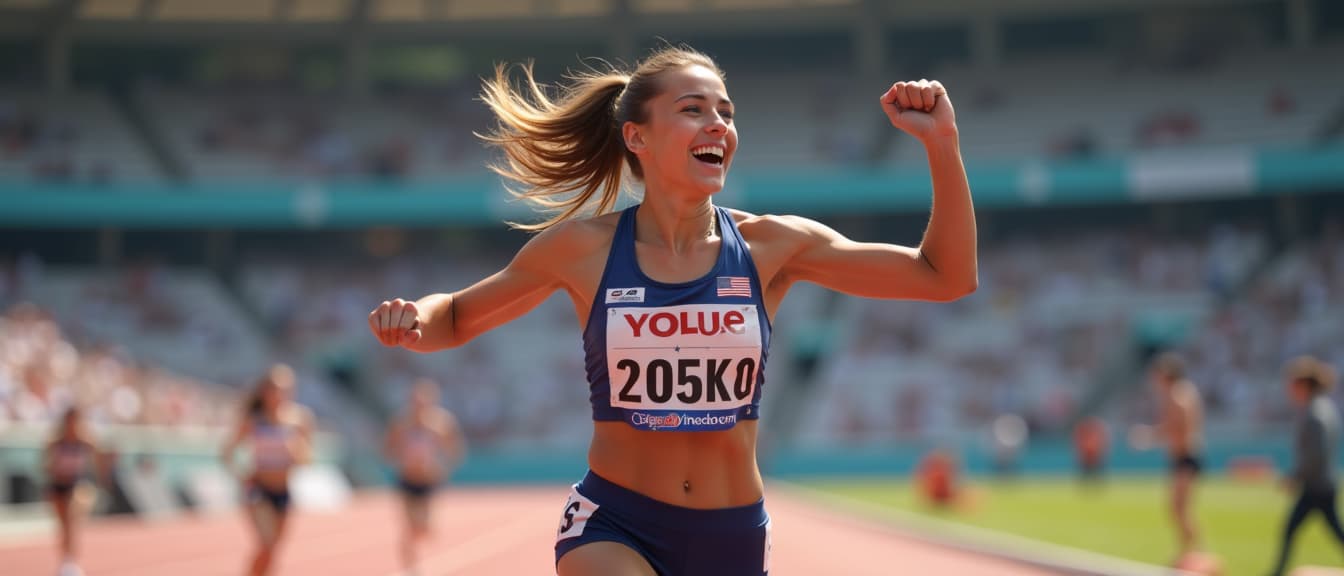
column 521, row 383
column 1056, row 314
column 1293, row 308
column 286, row 134
column 37, row 141
column 43, row 372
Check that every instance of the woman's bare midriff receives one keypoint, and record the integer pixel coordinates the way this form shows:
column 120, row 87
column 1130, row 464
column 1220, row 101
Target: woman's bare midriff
column 702, row 470
column 421, row 474
column 271, row 479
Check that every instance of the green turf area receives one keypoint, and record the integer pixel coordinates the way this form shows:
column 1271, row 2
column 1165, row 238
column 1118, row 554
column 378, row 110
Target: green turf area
column 1125, row 517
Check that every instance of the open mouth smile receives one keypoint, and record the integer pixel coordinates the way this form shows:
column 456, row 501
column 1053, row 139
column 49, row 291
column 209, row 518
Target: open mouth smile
column 712, row 155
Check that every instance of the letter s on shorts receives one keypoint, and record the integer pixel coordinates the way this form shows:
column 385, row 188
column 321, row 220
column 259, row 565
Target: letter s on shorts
column 575, row 515
column 766, row 560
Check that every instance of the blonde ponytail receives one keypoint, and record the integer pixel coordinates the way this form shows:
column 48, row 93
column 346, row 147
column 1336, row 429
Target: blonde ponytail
column 565, row 152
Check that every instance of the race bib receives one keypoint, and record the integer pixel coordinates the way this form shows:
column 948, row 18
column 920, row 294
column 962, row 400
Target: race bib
column 688, row 367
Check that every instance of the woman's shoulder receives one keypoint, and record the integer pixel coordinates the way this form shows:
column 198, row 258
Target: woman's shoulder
column 577, row 236
column 766, row 225
column 88, row 441
column 599, row 228
column 299, row 416
column 443, row 421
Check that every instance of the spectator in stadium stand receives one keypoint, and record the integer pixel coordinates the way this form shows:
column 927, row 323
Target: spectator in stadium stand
column 1280, row 103
column 1168, row 127
column 675, row 296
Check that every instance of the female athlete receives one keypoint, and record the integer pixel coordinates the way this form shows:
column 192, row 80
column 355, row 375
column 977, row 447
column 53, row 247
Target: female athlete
column 425, row 444
column 67, row 460
column 675, row 297
column 280, row 433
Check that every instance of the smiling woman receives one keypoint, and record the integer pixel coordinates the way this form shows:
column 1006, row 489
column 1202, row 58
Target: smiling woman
column 566, row 151
column 675, row 297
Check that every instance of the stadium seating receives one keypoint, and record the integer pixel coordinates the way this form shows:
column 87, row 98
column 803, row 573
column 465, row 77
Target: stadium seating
column 1025, row 108
column 80, row 137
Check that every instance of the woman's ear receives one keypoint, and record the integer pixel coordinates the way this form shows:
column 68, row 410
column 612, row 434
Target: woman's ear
column 634, row 137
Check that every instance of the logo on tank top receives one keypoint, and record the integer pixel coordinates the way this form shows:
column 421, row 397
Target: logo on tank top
column 625, row 295
column 688, row 367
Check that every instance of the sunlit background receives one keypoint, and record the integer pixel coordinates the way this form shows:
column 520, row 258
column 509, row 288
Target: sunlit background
column 193, row 189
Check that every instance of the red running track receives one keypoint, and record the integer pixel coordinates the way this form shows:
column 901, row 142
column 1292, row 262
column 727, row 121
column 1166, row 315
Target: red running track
column 478, row 531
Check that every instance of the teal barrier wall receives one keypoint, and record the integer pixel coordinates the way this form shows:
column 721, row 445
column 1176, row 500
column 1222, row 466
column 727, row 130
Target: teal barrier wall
column 176, row 451
column 1158, row 176
column 180, row 451
column 1046, row 457
column 252, row 206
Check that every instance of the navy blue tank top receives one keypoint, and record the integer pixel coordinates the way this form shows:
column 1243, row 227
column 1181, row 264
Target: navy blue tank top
column 270, row 444
column 69, row 459
column 688, row 356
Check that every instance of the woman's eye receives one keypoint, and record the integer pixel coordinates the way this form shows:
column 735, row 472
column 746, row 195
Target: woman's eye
column 727, row 114
column 695, row 109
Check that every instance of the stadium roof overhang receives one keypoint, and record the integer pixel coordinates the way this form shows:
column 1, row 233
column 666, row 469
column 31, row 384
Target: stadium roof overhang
column 427, row 19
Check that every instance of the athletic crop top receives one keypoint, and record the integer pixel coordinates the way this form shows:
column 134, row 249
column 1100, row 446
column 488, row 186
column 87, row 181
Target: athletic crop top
column 419, row 447
column 270, row 445
column 688, row 356
column 69, row 460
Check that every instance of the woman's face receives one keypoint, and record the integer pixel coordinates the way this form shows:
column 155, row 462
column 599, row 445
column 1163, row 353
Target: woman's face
column 70, row 425
column 275, row 391
column 689, row 139
column 1298, row 392
column 424, row 395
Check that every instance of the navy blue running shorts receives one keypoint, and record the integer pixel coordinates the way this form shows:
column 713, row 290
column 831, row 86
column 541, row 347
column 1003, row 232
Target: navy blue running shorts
column 415, row 490
column 278, row 500
column 675, row 541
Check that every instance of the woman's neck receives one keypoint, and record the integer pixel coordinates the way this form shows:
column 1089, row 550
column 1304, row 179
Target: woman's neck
column 677, row 224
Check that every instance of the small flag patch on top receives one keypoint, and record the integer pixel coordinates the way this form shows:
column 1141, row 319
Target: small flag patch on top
column 734, row 286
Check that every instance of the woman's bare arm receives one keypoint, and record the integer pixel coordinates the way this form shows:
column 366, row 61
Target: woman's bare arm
column 440, row 321
column 944, row 265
